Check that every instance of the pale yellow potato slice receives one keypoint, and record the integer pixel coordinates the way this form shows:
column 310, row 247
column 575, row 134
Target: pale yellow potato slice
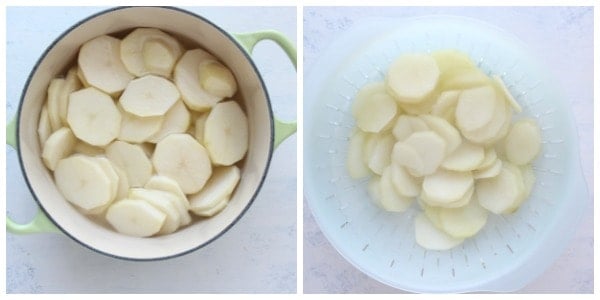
column 500, row 193
column 463, row 222
column 220, row 185
column 412, row 77
column 101, row 65
column 463, row 78
column 163, row 183
column 430, row 147
column 475, row 108
column 186, row 78
column 445, row 187
column 372, row 109
column 466, row 157
column 135, row 217
column 149, row 96
column 136, row 129
column 226, row 133
column 53, row 102
column 445, row 106
column 132, row 160
column 93, row 117
column 523, row 142
column 381, row 155
column 176, row 120
column 58, row 146
column 450, row 59
column 163, row 201
column 430, row 237
column 496, row 129
column 357, row 168
column 501, row 87
column 406, row 156
column 44, row 128
column 87, row 149
column 217, row 79
column 405, row 184
column 406, row 125
column 390, row 199
column 490, row 157
column 150, row 51
column 490, row 171
column 71, row 84
column 445, row 130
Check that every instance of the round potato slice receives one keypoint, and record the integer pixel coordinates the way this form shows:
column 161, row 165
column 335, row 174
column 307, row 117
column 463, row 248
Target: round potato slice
column 447, row 186
column 523, row 142
column 463, row 222
column 390, row 199
column 430, row 237
column 373, row 109
column 412, row 77
column 93, row 117
column 149, row 96
column 475, row 108
column 150, row 51
column 430, row 147
column 466, row 157
column 500, row 193
column 226, row 133
column 186, row 77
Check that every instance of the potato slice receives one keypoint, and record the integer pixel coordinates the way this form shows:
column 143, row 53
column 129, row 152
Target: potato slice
column 406, row 156
column 220, row 185
column 523, row 142
column 490, row 157
column 135, row 129
column 357, row 168
column 71, row 84
column 199, row 124
column 217, row 79
column 44, row 128
column 150, row 51
column 101, row 66
column 135, row 217
column 93, row 117
column 450, row 59
column 496, row 129
column 444, row 130
column 500, row 193
column 58, row 146
column 166, row 184
column 405, row 184
column 501, row 87
column 412, row 77
column 186, row 78
column 87, row 149
column 466, row 157
column 445, row 106
column 430, row 237
column 390, row 199
column 163, row 201
column 463, row 222
column 406, row 125
column 226, row 133
column 380, row 157
column 463, row 78
column 132, row 160
column 373, row 109
column 54, row 91
column 176, row 120
column 430, row 147
column 149, row 96
column 445, row 187
column 475, row 108
column 490, row 171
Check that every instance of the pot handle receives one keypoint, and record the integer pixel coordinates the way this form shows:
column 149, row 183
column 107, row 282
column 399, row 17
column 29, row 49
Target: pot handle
column 40, row 223
column 248, row 40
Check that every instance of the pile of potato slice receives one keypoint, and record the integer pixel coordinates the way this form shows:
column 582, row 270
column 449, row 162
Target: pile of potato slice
column 142, row 131
column 441, row 131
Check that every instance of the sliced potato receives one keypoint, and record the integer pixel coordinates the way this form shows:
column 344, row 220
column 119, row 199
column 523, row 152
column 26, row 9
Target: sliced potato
column 523, row 142
column 93, row 117
column 163, row 201
column 445, row 186
column 132, row 160
column 357, row 168
column 135, row 217
column 463, row 78
column 372, row 109
column 463, row 222
column 405, row 184
column 381, row 155
column 490, row 171
column 466, row 157
column 406, row 156
column 501, row 87
column 430, row 237
column 490, row 157
column 136, row 129
column 412, row 77
column 390, row 199
column 186, row 78
column 53, row 102
column 58, row 146
column 430, row 147
column 150, row 51
column 217, row 79
column 220, row 185
column 149, row 96
column 406, row 125
column 500, row 193
column 445, row 106
column 475, row 108
column 44, row 128
column 226, row 133
column 444, row 130
column 176, row 120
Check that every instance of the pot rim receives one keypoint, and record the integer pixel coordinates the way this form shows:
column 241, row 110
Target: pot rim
column 234, row 42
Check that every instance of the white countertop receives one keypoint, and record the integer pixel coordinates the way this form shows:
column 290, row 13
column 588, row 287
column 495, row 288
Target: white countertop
column 563, row 37
column 257, row 255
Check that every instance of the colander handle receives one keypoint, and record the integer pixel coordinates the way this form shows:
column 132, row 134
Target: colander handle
column 40, row 223
column 248, row 40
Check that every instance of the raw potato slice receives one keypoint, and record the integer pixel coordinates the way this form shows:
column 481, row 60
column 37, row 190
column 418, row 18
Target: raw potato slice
column 390, row 200
column 432, row 238
column 430, row 147
column 463, row 222
column 407, row 125
column 374, row 190
column 220, row 185
column 71, row 84
column 444, row 130
column 226, row 133
column 445, row 187
column 101, row 66
column 186, row 78
column 217, row 79
column 87, row 149
column 499, row 84
column 500, row 193
column 380, row 157
column 82, row 78
column 475, row 108
column 165, row 202
column 432, row 213
column 491, row 171
column 177, row 120
column 373, row 109
column 169, row 185
column 221, row 204
column 135, row 217
column 467, row 157
column 422, row 107
column 123, row 186
column 136, row 129
column 357, row 168
column 199, row 127
column 149, row 96
column 180, row 157
column 405, row 155
column 54, row 90
column 449, row 60
column 83, row 182
column 93, row 117
column 490, row 157
column 44, row 127
column 404, row 183
column 523, row 142
column 132, row 160
column 58, row 146
column 110, row 172
column 464, row 78
column 493, row 131
column 412, row 77
column 445, row 106
column 150, row 51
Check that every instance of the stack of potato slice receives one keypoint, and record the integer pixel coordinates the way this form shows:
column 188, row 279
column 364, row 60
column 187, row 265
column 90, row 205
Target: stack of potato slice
column 141, row 132
column 440, row 130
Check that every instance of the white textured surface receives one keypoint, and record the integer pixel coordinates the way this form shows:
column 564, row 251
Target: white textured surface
column 257, row 255
column 563, row 37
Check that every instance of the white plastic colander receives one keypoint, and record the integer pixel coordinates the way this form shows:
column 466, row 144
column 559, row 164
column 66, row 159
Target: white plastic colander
column 512, row 249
